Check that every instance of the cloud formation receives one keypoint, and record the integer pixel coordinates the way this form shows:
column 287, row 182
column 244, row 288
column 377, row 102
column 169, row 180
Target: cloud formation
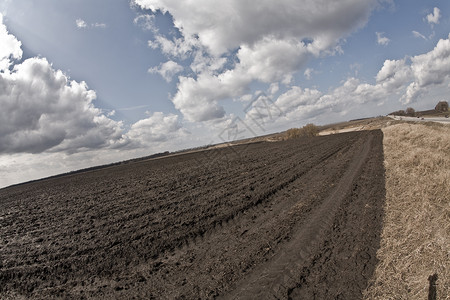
column 433, row 18
column 167, row 70
column 429, row 69
column 265, row 41
column 10, row 47
column 80, row 23
column 382, row 40
column 146, row 22
column 269, row 43
column 322, row 21
column 44, row 111
column 156, row 128
column 419, row 35
column 308, row 73
column 403, row 80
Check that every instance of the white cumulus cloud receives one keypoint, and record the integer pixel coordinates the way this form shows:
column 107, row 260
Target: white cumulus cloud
column 176, row 47
column 197, row 99
column 400, row 81
column 167, row 70
column 235, row 43
column 433, row 18
column 272, row 60
column 10, row 47
column 432, row 68
column 224, row 25
column 394, row 74
column 43, row 110
column 156, row 128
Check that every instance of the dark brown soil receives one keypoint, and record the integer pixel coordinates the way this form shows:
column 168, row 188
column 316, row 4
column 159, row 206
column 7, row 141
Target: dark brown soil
column 298, row 219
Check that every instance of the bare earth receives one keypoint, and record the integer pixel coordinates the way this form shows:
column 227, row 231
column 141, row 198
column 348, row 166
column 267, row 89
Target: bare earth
column 298, row 219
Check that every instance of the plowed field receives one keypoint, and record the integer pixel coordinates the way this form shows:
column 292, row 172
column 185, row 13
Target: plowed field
column 295, row 219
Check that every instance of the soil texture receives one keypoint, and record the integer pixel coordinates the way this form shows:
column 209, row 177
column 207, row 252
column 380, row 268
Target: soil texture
column 298, row 219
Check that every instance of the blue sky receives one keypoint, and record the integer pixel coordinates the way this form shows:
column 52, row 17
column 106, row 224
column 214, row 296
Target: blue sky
column 95, row 81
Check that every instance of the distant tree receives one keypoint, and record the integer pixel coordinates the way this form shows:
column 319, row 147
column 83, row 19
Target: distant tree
column 411, row 112
column 293, row 133
column 399, row 113
column 307, row 130
column 442, row 106
column 310, row 130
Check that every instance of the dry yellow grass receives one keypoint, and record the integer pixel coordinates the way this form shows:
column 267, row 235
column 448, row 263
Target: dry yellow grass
column 415, row 241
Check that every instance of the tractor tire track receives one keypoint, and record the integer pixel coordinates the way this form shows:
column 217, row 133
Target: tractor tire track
column 273, row 279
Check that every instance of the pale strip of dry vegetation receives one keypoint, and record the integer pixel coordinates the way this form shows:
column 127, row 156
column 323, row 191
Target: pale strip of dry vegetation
column 415, row 241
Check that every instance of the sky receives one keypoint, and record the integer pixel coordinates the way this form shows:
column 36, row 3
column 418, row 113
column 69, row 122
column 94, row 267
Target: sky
column 89, row 82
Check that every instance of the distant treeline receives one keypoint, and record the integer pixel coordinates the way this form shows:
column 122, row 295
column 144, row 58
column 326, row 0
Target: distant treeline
column 441, row 107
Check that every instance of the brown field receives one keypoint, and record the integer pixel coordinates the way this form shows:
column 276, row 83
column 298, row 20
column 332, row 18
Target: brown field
column 415, row 242
column 297, row 219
